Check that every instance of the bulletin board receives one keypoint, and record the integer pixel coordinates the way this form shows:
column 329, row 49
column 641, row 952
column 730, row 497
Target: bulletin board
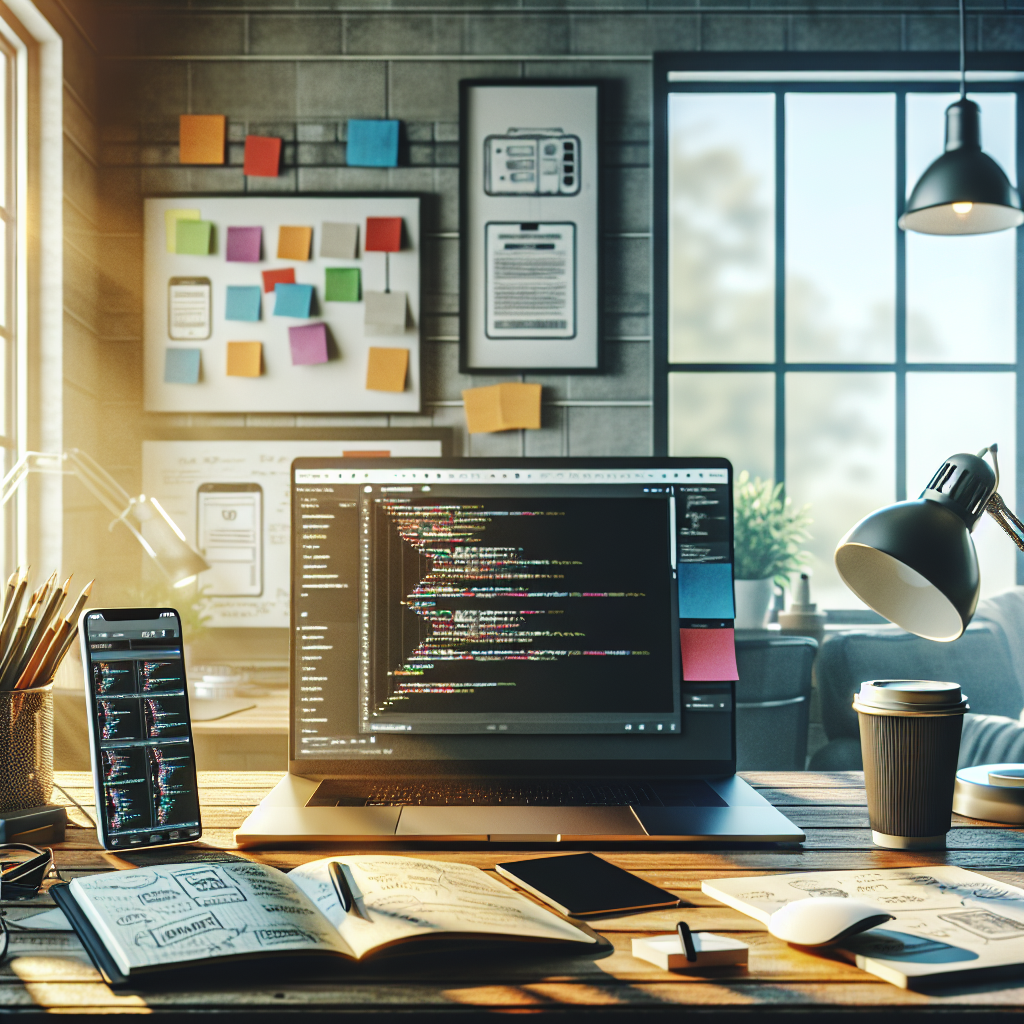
column 338, row 384
column 530, row 235
column 250, row 480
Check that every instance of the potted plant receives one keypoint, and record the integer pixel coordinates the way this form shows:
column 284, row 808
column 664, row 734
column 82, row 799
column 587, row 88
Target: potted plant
column 769, row 532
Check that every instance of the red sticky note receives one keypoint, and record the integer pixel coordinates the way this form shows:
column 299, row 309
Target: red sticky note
column 383, row 234
column 286, row 275
column 709, row 655
column 262, row 156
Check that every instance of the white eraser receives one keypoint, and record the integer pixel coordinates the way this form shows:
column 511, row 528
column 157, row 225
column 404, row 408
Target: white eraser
column 666, row 951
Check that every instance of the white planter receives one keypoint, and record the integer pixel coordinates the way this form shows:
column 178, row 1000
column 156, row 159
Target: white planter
column 753, row 603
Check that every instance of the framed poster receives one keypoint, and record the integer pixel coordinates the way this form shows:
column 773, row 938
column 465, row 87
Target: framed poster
column 529, row 232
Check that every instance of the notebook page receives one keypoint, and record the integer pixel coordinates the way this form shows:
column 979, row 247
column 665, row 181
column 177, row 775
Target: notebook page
column 406, row 897
column 181, row 912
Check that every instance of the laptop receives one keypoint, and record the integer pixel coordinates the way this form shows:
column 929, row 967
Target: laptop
column 512, row 650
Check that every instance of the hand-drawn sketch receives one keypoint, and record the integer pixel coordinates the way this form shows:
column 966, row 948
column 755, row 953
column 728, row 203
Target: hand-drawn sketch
column 137, row 918
column 203, row 930
column 985, row 924
column 817, row 888
column 208, row 888
column 159, row 896
column 276, row 936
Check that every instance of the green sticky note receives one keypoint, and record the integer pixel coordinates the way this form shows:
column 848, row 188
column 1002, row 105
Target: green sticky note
column 194, row 237
column 342, row 284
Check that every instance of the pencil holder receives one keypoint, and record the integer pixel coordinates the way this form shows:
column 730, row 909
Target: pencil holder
column 26, row 748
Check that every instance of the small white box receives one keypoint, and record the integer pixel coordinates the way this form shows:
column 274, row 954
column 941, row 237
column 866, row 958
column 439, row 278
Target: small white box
column 667, row 952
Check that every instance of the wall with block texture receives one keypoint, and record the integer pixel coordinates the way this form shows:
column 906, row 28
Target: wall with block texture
column 302, row 72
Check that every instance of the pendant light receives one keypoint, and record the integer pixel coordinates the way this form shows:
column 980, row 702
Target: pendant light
column 964, row 192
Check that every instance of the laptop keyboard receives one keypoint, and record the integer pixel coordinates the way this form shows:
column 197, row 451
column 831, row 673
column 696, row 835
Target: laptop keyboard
column 527, row 793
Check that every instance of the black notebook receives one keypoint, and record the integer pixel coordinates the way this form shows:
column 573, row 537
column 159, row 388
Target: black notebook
column 136, row 923
column 580, row 884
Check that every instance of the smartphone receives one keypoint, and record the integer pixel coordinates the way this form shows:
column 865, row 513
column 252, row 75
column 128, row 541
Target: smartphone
column 140, row 733
column 229, row 535
column 189, row 309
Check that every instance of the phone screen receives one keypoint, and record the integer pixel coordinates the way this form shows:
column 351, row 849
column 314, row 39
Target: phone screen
column 189, row 317
column 140, row 731
column 229, row 531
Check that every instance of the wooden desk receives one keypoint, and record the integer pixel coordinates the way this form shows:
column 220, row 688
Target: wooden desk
column 52, row 974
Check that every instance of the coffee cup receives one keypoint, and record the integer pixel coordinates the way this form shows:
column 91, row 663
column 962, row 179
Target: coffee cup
column 910, row 740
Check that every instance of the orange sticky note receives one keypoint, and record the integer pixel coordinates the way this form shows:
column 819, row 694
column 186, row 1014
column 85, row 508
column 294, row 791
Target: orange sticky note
column 201, row 138
column 245, row 358
column 502, row 407
column 294, row 243
column 386, row 369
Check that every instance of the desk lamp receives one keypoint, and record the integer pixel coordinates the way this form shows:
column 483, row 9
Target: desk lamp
column 914, row 563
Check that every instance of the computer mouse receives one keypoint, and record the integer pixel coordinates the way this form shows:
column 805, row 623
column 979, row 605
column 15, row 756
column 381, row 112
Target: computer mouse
column 824, row 920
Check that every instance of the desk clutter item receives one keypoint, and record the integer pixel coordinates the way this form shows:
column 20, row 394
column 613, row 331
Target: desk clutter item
column 667, row 952
column 232, row 911
column 502, row 407
column 44, row 824
column 348, row 267
column 949, row 923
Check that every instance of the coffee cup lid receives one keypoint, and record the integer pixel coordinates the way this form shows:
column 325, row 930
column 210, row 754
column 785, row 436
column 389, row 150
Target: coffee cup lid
column 910, row 694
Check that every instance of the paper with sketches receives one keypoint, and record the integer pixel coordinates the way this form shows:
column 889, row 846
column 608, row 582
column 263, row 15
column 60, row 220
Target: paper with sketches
column 948, row 920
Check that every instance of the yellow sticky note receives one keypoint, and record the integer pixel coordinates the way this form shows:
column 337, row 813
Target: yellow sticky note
column 386, row 369
column 502, row 407
column 245, row 358
column 201, row 138
column 171, row 218
column 293, row 243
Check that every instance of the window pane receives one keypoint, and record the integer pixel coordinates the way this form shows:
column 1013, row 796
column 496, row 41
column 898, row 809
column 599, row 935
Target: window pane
column 7, row 130
column 840, row 457
column 840, row 227
column 721, row 227
column 730, row 414
column 4, row 232
column 961, row 290
column 965, row 412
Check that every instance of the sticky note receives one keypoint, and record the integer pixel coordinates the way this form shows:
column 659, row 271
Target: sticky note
column 383, row 234
column 244, row 245
column 502, row 407
column 372, row 144
column 343, row 286
column 293, row 243
column 272, row 278
column 385, row 311
column 171, row 218
column 709, row 655
column 339, row 241
column 293, row 299
column 245, row 358
column 243, row 302
column 194, row 237
column 262, row 157
column 181, row 366
column 386, row 369
column 308, row 344
column 705, row 590
column 201, row 138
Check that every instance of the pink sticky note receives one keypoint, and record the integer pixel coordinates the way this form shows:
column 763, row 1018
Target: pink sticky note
column 308, row 344
column 244, row 245
column 709, row 655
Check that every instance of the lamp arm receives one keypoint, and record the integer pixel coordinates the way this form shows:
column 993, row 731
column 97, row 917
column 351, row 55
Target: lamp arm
column 1000, row 512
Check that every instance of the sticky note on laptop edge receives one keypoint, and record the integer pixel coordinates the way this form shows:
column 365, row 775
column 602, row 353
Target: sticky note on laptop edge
column 245, row 358
column 243, row 302
column 182, row 365
column 293, row 300
column 386, row 368
column 193, row 237
column 171, row 218
column 709, row 655
column 510, row 406
column 339, row 241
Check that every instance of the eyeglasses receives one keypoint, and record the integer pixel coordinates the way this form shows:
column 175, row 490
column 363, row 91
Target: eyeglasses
column 21, row 880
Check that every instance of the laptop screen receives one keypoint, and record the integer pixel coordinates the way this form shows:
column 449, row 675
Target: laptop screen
column 515, row 611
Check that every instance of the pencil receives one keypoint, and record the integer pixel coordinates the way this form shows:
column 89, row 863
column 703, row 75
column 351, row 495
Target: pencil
column 11, row 616
column 12, row 584
column 46, row 617
column 19, row 644
column 45, row 633
column 61, row 642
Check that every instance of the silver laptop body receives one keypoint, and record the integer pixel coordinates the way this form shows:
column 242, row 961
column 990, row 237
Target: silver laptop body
column 519, row 650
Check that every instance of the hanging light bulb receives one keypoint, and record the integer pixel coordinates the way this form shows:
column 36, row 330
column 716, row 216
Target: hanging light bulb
column 964, row 192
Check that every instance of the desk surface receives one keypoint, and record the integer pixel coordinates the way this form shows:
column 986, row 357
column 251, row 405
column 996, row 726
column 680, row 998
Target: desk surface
column 52, row 974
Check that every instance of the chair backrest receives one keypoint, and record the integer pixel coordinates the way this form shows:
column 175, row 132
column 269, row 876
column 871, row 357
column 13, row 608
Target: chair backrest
column 979, row 661
column 773, row 699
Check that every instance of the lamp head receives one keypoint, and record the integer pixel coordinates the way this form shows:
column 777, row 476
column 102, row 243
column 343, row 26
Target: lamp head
column 914, row 562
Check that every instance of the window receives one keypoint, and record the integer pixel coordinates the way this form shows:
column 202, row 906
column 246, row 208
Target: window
column 9, row 261
column 798, row 331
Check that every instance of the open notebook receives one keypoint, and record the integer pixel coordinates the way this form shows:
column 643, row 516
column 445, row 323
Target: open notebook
column 136, row 922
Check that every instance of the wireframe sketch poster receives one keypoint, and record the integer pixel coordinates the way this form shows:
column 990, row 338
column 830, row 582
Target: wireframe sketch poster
column 231, row 499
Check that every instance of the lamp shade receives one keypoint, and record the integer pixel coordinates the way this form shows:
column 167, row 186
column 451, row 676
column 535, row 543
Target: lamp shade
column 914, row 562
column 964, row 192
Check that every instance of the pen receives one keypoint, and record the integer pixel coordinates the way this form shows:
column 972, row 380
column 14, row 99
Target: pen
column 341, row 886
column 687, row 940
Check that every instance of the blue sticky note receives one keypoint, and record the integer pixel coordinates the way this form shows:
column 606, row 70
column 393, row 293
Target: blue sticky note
column 372, row 144
column 243, row 302
column 181, row 366
column 292, row 299
column 705, row 590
